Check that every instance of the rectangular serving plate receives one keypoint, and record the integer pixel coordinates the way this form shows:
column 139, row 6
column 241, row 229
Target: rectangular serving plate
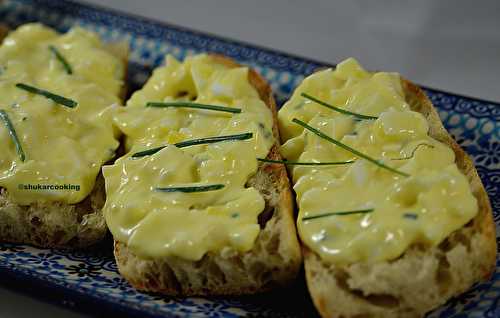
column 88, row 280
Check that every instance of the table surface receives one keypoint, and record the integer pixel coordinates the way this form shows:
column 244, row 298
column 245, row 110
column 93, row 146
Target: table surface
column 450, row 45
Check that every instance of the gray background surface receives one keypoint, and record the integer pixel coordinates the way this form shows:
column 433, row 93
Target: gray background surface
column 450, row 45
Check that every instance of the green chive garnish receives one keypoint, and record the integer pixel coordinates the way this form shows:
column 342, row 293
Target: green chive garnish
column 337, row 109
column 346, row 147
column 13, row 134
column 187, row 143
column 148, row 152
column 56, row 98
column 413, row 152
column 205, row 188
column 296, row 163
column 194, row 105
column 211, row 140
column 307, row 218
column 411, row 216
column 61, row 59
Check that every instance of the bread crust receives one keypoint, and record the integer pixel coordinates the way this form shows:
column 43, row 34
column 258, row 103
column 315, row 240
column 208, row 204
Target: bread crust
column 273, row 261
column 58, row 224
column 423, row 278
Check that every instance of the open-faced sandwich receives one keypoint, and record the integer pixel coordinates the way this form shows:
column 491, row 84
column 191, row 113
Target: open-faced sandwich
column 56, row 133
column 393, row 217
column 191, row 208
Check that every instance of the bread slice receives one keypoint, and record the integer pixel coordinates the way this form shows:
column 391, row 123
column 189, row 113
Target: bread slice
column 422, row 278
column 58, row 224
column 274, row 259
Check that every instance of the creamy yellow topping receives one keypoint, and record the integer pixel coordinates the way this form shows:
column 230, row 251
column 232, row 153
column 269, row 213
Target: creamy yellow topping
column 424, row 208
column 188, row 225
column 63, row 146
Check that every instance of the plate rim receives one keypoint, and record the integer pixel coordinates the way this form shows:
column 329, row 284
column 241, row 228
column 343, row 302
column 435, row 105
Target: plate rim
column 30, row 281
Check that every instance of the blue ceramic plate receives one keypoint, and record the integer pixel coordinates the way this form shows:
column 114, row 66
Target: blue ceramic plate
column 88, row 280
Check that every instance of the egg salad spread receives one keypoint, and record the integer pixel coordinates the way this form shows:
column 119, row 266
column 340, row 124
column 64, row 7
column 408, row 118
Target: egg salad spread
column 193, row 136
column 385, row 184
column 55, row 124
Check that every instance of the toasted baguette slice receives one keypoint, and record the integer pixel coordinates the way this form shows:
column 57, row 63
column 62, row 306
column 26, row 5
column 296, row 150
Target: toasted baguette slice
column 422, row 278
column 57, row 224
column 274, row 259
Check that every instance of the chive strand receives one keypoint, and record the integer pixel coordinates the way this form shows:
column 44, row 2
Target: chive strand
column 191, row 189
column 337, row 109
column 61, row 59
column 13, row 134
column 313, row 217
column 346, row 147
column 296, row 163
column 411, row 216
column 194, row 105
column 193, row 142
column 147, row 152
column 211, row 140
column 54, row 97
column 413, row 152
